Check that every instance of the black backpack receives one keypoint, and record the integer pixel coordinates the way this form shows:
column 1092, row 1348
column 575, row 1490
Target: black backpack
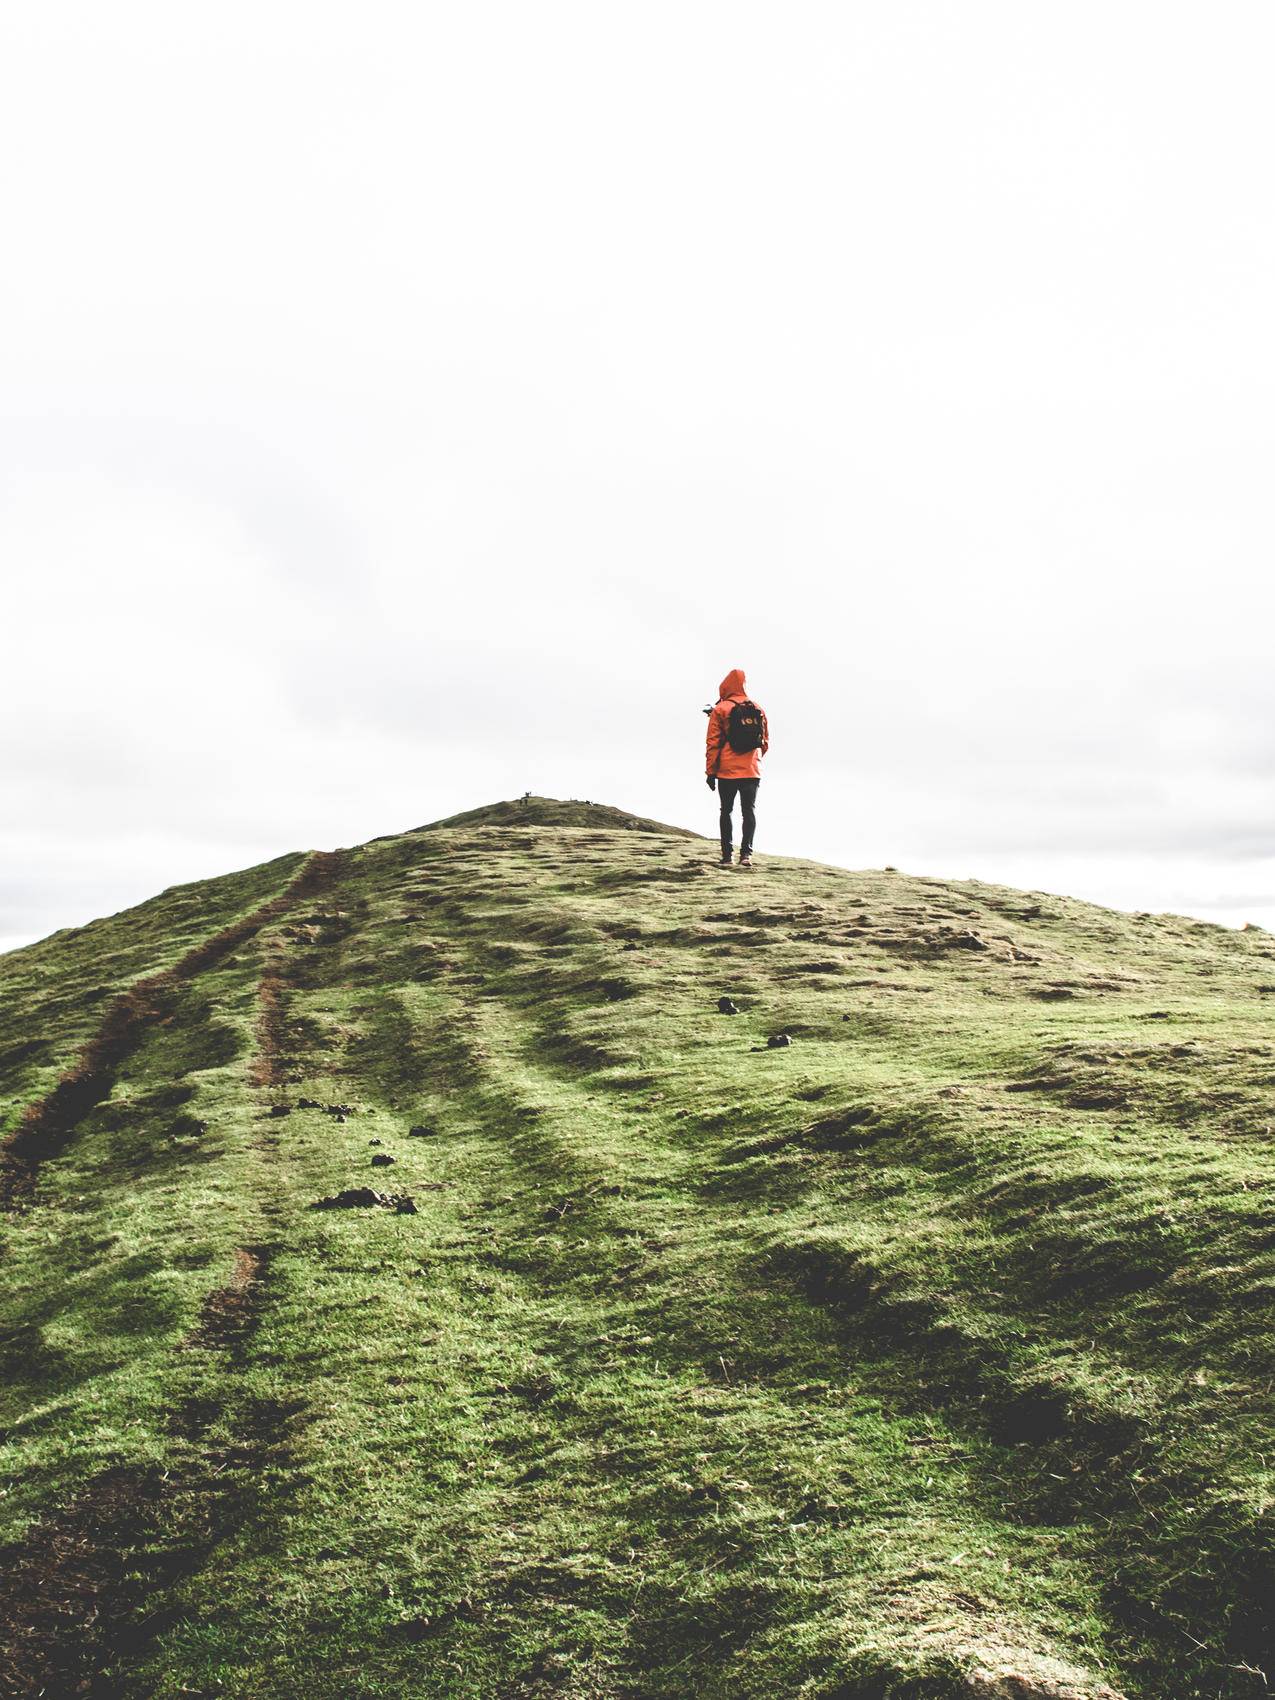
column 743, row 729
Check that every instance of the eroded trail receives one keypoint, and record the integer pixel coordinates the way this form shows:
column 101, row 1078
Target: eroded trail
column 80, row 1593
column 50, row 1123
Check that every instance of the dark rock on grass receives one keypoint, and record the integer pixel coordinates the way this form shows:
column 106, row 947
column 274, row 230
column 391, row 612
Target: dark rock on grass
column 420, row 1133
column 967, row 941
column 280, row 1110
column 777, row 1041
column 309, row 1104
column 382, row 1160
column 727, row 1007
column 374, row 1142
column 340, row 1111
column 367, row 1198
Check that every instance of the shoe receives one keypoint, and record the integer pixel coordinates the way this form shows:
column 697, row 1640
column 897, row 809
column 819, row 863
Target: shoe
column 725, row 862
column 745, row 860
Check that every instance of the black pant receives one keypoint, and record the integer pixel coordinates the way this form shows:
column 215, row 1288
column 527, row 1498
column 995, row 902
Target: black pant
column 746, row 791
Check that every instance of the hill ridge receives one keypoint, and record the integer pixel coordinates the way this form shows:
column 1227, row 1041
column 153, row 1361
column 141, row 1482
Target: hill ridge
column 537, row 811
column 884, row 1363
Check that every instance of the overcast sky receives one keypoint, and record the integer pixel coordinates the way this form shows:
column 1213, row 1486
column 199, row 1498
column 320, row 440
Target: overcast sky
column 405, row 406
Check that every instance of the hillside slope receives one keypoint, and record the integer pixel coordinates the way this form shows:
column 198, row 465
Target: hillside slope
column 929, row 1354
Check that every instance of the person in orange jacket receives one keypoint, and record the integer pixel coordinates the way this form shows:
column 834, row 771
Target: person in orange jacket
column 738, row 737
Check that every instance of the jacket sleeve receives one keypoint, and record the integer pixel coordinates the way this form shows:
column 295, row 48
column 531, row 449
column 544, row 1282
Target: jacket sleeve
column 713, row 743
column 765, row 732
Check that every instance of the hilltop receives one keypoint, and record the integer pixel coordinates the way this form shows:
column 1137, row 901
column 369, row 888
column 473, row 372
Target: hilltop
column 416, row 1284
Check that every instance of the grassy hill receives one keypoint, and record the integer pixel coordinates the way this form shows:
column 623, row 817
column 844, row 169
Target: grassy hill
column 929, row 1354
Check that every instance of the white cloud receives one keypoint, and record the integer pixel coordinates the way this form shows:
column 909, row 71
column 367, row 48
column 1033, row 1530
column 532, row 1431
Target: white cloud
column 388, row 404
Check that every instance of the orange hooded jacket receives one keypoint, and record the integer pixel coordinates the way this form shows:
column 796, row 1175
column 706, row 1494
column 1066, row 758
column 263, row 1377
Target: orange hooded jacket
column 720, row 759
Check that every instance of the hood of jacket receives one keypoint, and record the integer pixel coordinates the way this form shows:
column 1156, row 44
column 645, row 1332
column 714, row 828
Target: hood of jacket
column 732, row 685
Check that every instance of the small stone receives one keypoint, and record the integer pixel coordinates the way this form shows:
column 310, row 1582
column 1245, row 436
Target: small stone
column 374, row 1142
column 420, row 1132
column 777, row 1041
column 277, row 1110
column 726, row 1006
column 382, row 1160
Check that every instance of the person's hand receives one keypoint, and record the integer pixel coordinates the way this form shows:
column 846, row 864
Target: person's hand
column 711, row 782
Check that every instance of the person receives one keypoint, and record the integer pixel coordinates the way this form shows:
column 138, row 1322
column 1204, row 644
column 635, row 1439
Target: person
column 738, row 737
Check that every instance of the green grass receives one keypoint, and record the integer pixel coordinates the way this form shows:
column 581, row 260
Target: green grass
column 933, row 1349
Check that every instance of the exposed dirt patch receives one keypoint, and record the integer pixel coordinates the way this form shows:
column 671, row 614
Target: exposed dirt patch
column 267, row 1068
column 229, row 1312
column 70, row 1590
column 367, row 1198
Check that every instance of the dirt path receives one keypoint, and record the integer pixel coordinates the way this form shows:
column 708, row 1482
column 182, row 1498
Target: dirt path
column 50, row 1123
